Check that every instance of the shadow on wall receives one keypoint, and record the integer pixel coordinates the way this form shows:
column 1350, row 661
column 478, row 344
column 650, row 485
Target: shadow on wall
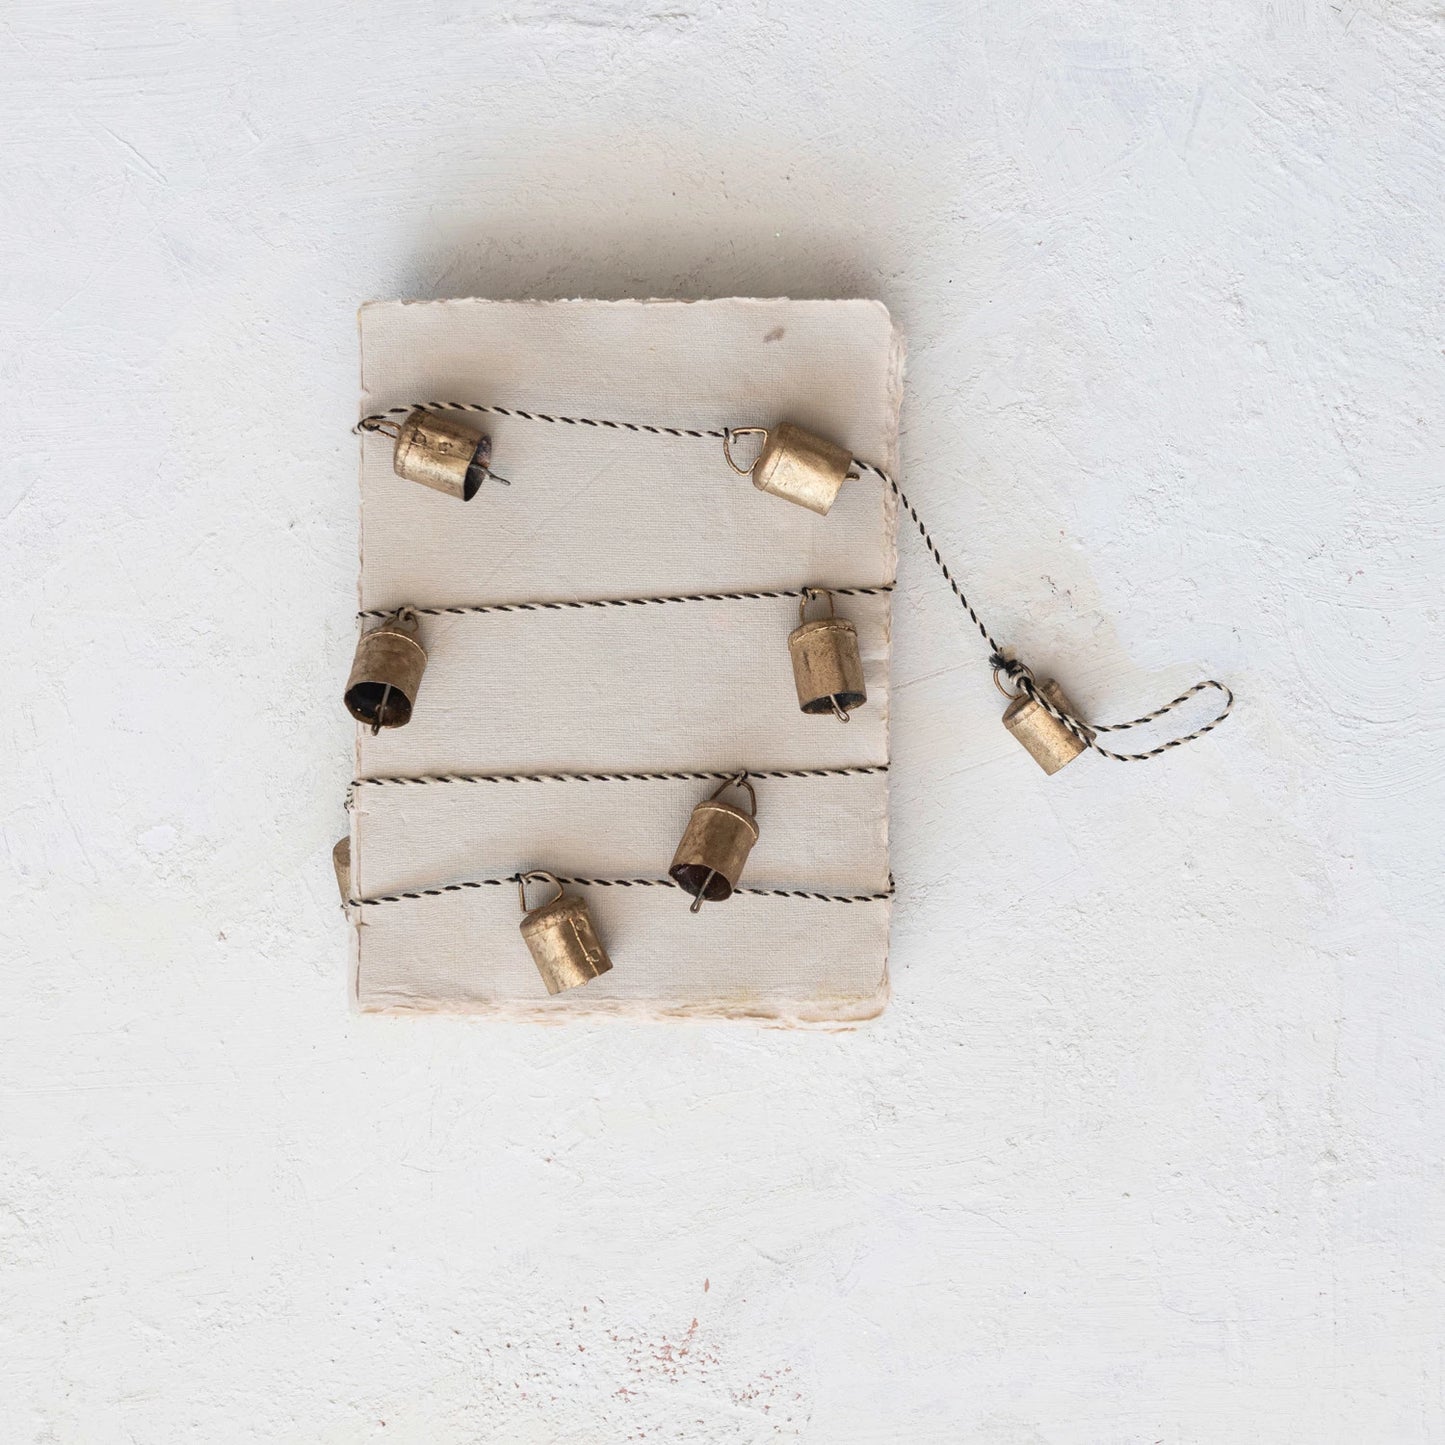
column 731, row 225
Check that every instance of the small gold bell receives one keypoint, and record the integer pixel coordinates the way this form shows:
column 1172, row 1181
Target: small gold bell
column 795, row 465
column 1049, row 742
column 386, row 672
column 341, row 861
column 560, row 936
column 716, row 844
column 827, row 667
column 440, row 450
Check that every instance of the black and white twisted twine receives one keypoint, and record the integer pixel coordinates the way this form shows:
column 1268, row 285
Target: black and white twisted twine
column 430, row 779
column 377, row 419
column 795, row 893
column 570, row 606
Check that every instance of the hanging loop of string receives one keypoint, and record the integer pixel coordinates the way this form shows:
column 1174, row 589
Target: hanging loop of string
column 1022, row 676
column 1017, row 672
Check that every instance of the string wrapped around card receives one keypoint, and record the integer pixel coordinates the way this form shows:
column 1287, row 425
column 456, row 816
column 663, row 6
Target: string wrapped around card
column 827, row 664
column 809, row 471
column 560, row 933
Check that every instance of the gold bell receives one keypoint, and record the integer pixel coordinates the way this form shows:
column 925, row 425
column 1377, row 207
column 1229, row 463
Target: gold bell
column 795, row 465
column 719, row 837
column 560, row 936
column 1049, row 741
column 386, row 672
column 341, row 861
column 440, row 450
column 827, row 667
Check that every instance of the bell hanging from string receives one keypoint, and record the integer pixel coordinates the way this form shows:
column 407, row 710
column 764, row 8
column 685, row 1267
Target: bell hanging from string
column 441, row 450
column 715, row 845
column 386, row 673
column 827, row 666
column 1048, row 741
column 560, row 936
column 794, row 464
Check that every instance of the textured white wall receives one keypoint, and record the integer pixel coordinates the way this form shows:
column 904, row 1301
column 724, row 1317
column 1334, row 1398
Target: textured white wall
column 1147, row 1147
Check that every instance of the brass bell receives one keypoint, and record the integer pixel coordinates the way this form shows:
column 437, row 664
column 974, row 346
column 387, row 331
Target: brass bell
column 716, row 844
column 560, row 936
column 341, row 861
column 1049, row 742
column 386, row 672
column 827, row 667
column 795, row 465
column 440, row 450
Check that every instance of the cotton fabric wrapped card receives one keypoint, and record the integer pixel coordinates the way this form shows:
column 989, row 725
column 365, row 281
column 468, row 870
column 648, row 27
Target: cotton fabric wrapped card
column 514, row 703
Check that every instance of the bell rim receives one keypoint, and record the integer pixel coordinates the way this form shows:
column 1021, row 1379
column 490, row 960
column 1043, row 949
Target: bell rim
column 681, row 874
column 367, row 719
column 848, row 701
column 716, row 805
column 816, row 625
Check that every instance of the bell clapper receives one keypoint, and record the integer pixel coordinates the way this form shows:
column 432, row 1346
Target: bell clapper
column 379, row 721
column 839, row 711
column 702, row 892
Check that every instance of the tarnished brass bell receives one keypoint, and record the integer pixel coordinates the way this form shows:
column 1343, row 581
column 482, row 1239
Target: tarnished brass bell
column 709, row 860
column 1048, row 741
column 386, row 673
column 794, row 464
column 827, row 667
column 341, row 861
column 560, row 936
column 440, row 450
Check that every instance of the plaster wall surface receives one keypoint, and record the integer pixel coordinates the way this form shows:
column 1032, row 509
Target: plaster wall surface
column 1147, row 1146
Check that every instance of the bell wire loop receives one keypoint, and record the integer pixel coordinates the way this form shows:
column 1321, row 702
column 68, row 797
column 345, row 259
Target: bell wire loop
column 1011, row 670
column 729, row 433
column 524, row 878
column 811, row 594
column 738, row 780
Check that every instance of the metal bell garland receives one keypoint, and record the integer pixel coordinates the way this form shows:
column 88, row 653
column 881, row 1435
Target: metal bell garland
column 452, row 456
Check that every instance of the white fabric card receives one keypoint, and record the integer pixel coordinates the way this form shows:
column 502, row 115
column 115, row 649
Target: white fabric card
column 594, row 514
